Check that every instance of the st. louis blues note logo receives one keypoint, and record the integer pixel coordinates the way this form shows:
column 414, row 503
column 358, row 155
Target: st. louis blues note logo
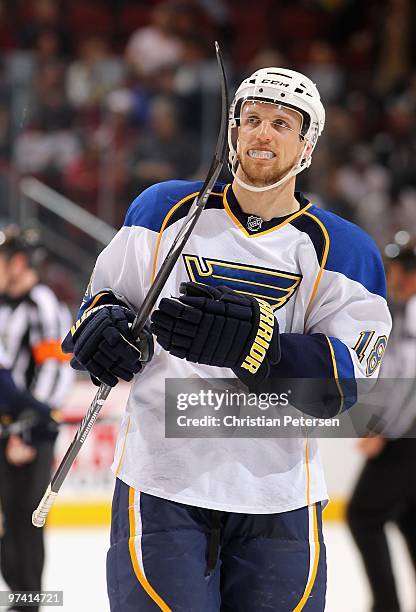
column 254, row 223
column 274, row 286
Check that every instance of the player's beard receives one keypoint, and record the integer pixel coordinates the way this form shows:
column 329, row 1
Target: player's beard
column 262, row 176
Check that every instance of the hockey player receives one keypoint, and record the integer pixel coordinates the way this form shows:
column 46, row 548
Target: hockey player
column 386, row 488
column 231, row 524
column 31, row 326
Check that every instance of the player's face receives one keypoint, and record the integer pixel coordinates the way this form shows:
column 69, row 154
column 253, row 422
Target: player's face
column 269, row 142
column 11, row 270
column 4, row 273
column 397, row 282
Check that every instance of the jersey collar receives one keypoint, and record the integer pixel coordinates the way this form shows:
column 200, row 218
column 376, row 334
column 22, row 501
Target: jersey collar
column 253, row 226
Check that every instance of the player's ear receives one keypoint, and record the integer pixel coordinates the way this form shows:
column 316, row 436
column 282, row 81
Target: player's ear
column 309, row 149
column 306, row 151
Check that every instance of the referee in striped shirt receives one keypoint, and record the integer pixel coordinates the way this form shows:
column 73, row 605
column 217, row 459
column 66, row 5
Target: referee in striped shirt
column 32, row 323
column 386, row 488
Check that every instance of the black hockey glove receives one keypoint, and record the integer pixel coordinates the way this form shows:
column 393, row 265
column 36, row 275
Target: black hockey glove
column 219, row 327
column 33, row 420
column 42, row 427
column 103, row 344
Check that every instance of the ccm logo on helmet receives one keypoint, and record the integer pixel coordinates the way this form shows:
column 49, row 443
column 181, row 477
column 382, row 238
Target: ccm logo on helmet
column 261, row 343
column 275, row 82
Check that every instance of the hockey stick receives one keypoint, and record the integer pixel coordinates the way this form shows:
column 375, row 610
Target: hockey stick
column 39, row 515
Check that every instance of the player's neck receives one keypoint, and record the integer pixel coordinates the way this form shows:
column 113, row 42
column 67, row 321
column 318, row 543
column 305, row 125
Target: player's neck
column 277, row 202
column 22, row 284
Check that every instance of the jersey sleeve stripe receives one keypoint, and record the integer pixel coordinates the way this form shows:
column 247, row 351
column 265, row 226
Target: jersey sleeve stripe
column 324, row 257
column 334, row 364
column 343, row 372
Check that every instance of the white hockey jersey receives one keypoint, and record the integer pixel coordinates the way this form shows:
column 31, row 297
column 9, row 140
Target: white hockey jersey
column 325, row 280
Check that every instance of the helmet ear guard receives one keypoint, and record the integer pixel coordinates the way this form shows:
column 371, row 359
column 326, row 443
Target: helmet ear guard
column 285, row 88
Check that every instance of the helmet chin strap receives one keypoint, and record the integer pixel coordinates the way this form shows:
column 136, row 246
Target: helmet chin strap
column 292, row 172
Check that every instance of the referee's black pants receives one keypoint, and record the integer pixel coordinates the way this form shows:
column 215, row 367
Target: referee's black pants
column 385, row 491
column 22, row 547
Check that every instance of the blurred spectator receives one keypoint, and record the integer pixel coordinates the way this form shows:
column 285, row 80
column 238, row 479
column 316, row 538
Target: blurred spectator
column 394, row 55
column 5, row 137
column 165, row 151
column 94, row 73
column 396, row 142
column 219, row 13
column 324, row 70
column 334, row 200
column 5, row 155
column 46, row 153
column 47, row 45
column 81, row 176
column 402, row 211
column 190, row 19
column 51, row 109
column 154, row 46
column 265, row 57
column 217, row 9
column 188, row 74
column 49, row 143
column 117, row 139
column 307, row 19
column 365, row 185
column 7, row 31
column 341, row 132
column 43, row 16
column 192, row 83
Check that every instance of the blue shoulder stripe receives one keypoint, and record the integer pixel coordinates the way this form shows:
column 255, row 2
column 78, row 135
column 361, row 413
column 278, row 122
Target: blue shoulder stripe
column 345, row 370
column 150, row 208
column 352, row 252
column 343, row 359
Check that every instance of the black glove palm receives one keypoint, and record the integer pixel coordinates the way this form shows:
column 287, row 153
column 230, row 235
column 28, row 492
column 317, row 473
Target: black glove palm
column 217, row 326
